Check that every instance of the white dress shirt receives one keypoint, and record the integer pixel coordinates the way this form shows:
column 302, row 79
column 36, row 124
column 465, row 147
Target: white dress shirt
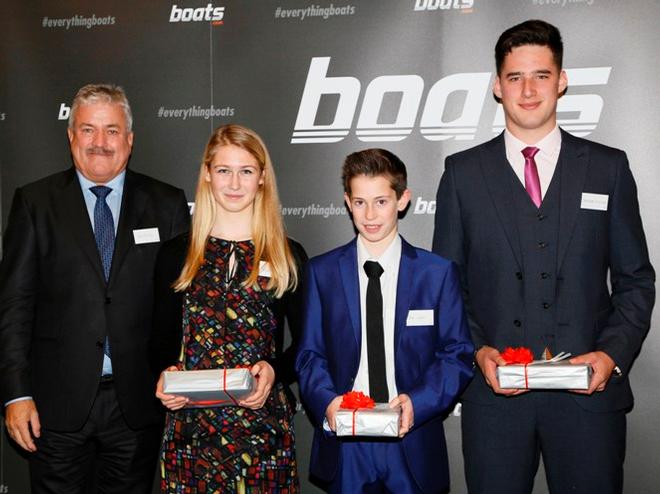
column 546, row 158
column 389, row 261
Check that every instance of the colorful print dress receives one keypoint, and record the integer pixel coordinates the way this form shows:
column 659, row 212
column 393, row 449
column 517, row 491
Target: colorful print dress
column 229, row 449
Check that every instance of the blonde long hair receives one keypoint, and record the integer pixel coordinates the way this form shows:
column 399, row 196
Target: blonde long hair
column 268, row 232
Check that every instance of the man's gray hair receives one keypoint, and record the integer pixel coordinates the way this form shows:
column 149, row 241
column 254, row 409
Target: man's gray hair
column 102, row 93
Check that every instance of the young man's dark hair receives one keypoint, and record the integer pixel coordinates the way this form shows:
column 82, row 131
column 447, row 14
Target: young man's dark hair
column 532, row 32
column 372, row 163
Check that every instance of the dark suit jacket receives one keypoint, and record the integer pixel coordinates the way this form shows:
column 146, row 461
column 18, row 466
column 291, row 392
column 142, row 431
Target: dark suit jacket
column 167, row 329
column 475, row 225
column 56, row 308
column 433, row 363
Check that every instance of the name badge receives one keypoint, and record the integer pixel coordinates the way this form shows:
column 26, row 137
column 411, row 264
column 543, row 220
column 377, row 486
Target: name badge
column 146, row 235
column 597, row 202
column 264, row 269
column 420, row 317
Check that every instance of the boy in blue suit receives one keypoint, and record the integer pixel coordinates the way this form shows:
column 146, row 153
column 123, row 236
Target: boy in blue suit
column 385, row 318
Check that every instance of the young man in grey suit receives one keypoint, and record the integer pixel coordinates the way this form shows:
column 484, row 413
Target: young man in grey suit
column 76, row 291
column 537, row 220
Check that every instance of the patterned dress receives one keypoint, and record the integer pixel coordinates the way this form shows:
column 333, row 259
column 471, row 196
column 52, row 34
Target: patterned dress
column 229, row 449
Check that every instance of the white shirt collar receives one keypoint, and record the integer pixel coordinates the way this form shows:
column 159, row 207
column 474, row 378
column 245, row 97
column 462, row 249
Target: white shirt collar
column 388, row 259
column 115, row 184
column 548, row 146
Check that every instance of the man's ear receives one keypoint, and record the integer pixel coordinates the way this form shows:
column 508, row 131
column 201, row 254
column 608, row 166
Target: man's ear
column 563, row 83
column 402, row 202
column 497, row 88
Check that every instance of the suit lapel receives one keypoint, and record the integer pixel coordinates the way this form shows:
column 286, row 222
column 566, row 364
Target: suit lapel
column 132, row 206
column 497, row 174
column 573, row 163
column 403, row 290
column 76, row 220
column 349, row 277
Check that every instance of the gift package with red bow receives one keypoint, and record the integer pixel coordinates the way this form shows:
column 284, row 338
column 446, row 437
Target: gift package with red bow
column 523, row 372
column 358, row 415
column 211, row 387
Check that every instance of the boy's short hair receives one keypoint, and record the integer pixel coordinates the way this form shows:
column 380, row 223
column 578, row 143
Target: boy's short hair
column 375, row 162
column 532, row 32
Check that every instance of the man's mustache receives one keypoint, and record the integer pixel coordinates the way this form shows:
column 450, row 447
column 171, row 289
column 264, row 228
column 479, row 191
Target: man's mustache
column 100, row 150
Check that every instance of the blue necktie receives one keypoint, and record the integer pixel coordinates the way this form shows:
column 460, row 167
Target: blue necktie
column 104, row 232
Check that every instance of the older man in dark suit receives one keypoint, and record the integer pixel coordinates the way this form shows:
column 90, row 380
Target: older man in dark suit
column 537, row 220
column 76, row 296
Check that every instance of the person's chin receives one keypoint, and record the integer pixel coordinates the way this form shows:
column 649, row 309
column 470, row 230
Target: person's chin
column 233, row 206
column 372, row 237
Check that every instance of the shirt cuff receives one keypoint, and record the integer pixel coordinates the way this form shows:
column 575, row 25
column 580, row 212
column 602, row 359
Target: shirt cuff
column 22, row 398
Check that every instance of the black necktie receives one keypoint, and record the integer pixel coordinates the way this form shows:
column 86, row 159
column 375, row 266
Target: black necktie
column 375, row 337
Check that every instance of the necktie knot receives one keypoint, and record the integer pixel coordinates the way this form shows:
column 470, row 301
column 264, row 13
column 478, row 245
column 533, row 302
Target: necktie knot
column 529, row 152
column 100, row 191
column 373, row 269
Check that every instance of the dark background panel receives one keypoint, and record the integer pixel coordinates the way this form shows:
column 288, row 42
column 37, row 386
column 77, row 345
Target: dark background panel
column 252, row 69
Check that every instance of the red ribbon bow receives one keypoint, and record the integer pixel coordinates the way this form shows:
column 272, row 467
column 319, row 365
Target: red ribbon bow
column 356, row 399
column 520, row 355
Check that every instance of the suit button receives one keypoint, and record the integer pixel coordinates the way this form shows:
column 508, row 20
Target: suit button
column 99, row 344
column 541, row 216
column 546, row 305
column 542, row 245
column 517, row 323
column 519, row 275
column 108, row 300
column 545, row 276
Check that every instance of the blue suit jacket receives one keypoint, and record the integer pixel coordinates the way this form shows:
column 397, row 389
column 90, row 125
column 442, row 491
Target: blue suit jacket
column 432, row 363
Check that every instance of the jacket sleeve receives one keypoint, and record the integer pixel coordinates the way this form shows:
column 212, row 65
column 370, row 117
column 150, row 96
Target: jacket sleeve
column 19, row 286
column 449, row 241
column 167, row 332
column 631, row 275
column 291, row 311
column 317, row 388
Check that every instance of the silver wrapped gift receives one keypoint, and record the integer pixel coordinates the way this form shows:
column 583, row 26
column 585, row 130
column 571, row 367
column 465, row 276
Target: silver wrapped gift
column 211, row 387
column 542, row 374
column 380, row 421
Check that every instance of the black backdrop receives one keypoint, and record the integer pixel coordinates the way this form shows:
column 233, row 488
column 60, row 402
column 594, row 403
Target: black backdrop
column 318, row 80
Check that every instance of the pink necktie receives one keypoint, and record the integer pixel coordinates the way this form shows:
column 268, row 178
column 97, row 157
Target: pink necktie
column 532, row 183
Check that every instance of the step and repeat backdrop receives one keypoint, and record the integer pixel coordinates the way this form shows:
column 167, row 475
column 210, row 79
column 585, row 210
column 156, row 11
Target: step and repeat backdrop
column 319, row 79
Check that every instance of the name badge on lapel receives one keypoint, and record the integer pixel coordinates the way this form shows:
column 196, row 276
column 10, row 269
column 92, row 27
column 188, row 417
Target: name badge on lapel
column 264, row 269
column 146, row 235
column 422, row 317
column 597, row 202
